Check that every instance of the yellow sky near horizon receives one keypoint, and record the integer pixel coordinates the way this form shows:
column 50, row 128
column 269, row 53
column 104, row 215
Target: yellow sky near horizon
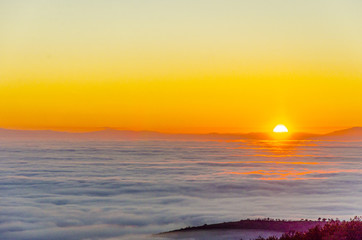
column 181, row 66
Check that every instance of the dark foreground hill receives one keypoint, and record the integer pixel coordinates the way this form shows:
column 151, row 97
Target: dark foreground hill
column 293, row 230
column 332, row 230
column 261, row 224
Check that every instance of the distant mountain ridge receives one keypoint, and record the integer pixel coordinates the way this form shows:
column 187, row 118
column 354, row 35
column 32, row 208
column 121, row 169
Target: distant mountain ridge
column 354, row 133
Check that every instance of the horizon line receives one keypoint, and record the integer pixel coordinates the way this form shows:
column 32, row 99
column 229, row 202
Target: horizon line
column 98, row 129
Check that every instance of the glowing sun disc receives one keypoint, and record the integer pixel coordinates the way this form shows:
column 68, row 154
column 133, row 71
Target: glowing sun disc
column 280, row 128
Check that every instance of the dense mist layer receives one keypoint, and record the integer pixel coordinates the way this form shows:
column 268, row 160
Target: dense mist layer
column 130, row 190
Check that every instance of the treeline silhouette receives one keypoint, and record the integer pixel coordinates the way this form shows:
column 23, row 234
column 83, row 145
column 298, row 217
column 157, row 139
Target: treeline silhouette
column 281, row 225
column 331, row 230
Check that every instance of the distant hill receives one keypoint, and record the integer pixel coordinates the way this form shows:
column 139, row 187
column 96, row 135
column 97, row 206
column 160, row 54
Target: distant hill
column 293, row 136
column 110, row 134
column 354, row 133
column 33, row 134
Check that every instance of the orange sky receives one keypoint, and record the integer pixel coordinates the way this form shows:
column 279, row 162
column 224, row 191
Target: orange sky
column 188, row 66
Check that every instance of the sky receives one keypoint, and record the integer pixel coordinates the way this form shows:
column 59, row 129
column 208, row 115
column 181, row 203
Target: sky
column 181, row 66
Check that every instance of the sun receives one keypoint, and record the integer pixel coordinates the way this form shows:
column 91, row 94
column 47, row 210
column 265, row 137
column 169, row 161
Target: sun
column 280, row 128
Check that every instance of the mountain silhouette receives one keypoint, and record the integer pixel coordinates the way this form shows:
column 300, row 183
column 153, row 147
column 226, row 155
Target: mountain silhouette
column 354, row 133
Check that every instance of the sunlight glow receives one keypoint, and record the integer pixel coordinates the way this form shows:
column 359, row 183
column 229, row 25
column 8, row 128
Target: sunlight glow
column 280, row 128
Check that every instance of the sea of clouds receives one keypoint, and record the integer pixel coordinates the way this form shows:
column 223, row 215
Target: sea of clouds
column 131, row 190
